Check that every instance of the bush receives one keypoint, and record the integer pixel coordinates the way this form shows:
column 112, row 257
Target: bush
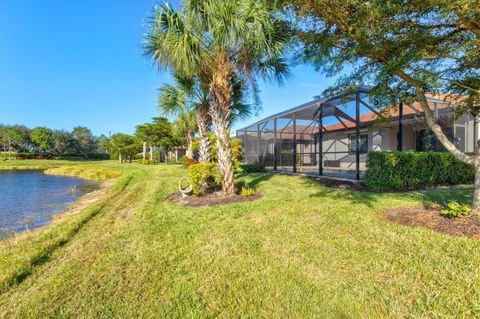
column 31, row 156
column 412, row 170
column 204, row 177
column 147, row 162
column 455, row 210
column 186, row 162
column 247, row 191
column 252, row 168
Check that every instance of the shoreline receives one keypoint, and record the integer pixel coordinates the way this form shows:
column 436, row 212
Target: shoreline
column 77, row 206
column 74, row 208
column 83, row 201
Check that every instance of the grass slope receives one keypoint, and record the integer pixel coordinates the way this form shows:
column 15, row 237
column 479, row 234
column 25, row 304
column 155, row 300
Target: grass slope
column 302, row 250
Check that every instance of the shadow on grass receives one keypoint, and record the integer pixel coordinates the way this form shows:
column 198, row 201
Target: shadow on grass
column 433, row 196
column 441, row 195
column 354, row 197
column 254, row 179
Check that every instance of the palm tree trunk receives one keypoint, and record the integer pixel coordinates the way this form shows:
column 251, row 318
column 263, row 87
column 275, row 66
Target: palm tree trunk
column 204, row 145
column 224, row 150
column 144, row 152
column 190, row 144
column 220, row 111
column 151, row 152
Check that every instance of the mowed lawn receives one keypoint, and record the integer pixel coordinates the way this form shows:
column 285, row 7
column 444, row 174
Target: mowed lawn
column 301, row 251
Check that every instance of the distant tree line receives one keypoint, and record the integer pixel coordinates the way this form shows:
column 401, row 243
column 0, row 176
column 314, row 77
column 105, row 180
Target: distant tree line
column 152, row 142
column 45, row 142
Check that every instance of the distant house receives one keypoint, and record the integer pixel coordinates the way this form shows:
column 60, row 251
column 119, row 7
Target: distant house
column 291, row 141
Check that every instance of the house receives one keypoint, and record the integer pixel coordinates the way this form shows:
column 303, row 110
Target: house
column 292, row 141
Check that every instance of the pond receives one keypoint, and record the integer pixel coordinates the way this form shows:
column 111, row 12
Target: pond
column 28, row 198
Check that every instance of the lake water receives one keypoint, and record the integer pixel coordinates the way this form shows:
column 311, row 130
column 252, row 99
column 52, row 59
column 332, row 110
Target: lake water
column 28, row 198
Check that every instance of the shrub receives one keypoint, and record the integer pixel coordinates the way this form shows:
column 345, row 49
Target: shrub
column 146, row 162
column 204, row 177
column 252, row 168
column 237, row 149
column 412, row 170
column 455, row 210
column 186, row 162
column 247, row 191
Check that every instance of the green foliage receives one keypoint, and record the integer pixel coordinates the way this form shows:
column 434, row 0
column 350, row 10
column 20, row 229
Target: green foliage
column 204, row 177
column 252, row 168
column 455, row 209
column 84, row 142
column 237, row 150
column 411, row 170
column 42, row 137
column 186, row 162
column 247, row 191
column 124, row 145
column 147, row 162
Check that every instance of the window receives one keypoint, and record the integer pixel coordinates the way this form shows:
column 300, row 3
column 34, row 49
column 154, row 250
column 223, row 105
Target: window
column 426, row 140
column 352, row 145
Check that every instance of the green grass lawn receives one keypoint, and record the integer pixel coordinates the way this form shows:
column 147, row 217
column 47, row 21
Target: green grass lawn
column 302, row 250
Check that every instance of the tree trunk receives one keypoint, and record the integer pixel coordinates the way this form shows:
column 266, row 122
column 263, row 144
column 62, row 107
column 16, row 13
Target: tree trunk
column 9, row 150
column 224, row 150
column 220, row 111
column 449, row 146
column 476, row 192
column 190, row 145
column 120, row 158
column 151, row 152
column 144, row 153
column 204, row 145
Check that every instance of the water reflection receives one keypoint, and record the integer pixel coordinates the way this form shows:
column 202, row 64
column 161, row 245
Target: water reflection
column 29, row 198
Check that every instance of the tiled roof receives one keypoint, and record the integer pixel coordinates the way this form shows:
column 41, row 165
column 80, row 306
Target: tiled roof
column 390, row 112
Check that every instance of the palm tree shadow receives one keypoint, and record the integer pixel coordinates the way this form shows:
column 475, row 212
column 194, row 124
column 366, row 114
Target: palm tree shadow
column 254, row 179
column 342, row 191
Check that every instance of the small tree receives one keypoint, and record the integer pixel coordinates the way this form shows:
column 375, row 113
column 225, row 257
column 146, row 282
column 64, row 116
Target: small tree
column 42, row 138
column 63, row 143
column 185, row 125
column 84, row 141
column 13, row 137
column 189, row 101
column 124, row 146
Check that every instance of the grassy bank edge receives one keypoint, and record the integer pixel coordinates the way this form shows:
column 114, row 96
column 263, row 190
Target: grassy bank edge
column 20, row 256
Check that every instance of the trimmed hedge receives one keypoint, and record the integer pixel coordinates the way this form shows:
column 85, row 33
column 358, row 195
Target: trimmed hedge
column 412, row 170
column 252, row 168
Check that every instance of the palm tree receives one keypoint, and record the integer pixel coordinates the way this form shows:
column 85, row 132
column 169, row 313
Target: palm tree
column 187, row 99
column 190, row 103
column 223, row 43
column 186, row 124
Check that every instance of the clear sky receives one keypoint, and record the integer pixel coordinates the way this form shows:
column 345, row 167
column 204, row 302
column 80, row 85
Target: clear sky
column 65, row 63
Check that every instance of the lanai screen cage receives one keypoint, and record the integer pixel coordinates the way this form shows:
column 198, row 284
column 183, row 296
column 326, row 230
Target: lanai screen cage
column 332, row 136
column 292, row 141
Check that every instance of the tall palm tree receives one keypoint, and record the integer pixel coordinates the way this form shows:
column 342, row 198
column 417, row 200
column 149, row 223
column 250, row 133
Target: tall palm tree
column 223, row 43
column 187, row 99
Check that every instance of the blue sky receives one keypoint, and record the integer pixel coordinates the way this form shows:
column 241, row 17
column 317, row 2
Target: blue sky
column 65, row 63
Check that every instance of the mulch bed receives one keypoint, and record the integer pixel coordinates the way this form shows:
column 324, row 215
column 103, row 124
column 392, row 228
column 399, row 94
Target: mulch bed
column 211, row 199
column 430, row 217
